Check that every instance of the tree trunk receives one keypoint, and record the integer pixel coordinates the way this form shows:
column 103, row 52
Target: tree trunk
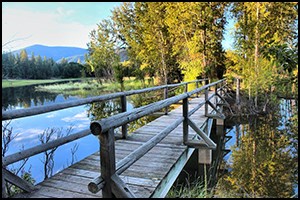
column 256, row 54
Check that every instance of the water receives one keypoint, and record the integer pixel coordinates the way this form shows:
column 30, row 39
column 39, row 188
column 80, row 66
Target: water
column 263, row 158
column 70, row 120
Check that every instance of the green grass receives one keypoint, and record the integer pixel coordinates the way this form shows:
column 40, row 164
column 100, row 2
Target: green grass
column 22, row 82
column 86, row 86
column 195, row 189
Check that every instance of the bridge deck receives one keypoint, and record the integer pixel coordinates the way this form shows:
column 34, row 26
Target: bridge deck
column 148, row 177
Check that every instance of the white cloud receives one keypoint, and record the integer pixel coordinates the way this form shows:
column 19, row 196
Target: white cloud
column 78, row 117
column 47, row 28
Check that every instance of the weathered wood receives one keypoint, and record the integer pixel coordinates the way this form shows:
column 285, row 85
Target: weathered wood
column 197, row 144
column 168, row 181
column 124, row 109
column 120, row 189
column 13, row 114
column 108, row 163
column 165, row 97
column 185, row 114
column 206, row 101
column 17, row 181
column 4, row 193
column 119, row 119
column 208, row 141
column 220, row 114
column 151, row 175
column 138, row 153
column 43, row 147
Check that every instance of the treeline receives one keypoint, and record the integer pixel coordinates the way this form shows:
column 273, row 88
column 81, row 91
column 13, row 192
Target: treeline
column 175, row 41
column 19, row 66
column 166, row 40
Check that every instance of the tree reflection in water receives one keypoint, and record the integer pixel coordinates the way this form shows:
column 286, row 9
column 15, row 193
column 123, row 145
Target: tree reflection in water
column 264, row 162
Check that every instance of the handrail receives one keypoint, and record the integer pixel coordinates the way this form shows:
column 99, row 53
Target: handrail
column 104, row 129
column 42, row 147
column 106, row 126
column 12, row 114
column 58, row 142
column 117, row 120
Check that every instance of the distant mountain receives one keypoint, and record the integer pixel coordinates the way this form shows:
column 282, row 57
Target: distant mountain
column 56, row 52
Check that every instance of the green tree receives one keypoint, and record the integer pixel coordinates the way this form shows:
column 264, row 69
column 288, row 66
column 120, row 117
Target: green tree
column 102, row 56
column 260, row 27
column 197, row 30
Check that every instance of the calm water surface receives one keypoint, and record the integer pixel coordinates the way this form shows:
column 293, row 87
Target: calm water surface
column 28, row 128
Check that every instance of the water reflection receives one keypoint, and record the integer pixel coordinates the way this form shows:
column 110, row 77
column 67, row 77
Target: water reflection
column 78, row 118
column 264, row 159
column 27, row 97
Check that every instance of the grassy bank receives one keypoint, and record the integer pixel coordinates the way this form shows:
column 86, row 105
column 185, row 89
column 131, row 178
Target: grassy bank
column 22, row 82
column 88, row 85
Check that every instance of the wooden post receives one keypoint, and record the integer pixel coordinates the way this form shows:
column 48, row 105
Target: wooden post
column 216, row 92
column 220, row 126
column 185, row 113
column 165, row 97
column 206, row 101
column 186, row 88
column 124, row 109
column 107, row 160
column 206, row 81
column 4, row 194
column 197, row 85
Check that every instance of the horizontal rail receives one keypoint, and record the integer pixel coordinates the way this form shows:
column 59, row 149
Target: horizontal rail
column 43, row 147
column 101, row 127
column 117, row 120
column 13, row 114
column 97, row 184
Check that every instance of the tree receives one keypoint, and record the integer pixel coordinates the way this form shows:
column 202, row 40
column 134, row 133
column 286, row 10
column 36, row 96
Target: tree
column 261, row 26
column 102, row 56
column 197, row 30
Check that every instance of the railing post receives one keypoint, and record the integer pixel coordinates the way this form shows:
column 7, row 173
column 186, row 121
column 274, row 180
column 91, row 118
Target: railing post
column 107, row 160
column 216, row 92
column 206, row 81
column 197, row 85
column 124, row 109
column 165, row 97
column 206, row 103
column 185, row 124
column 186, row 88
column 4, row 194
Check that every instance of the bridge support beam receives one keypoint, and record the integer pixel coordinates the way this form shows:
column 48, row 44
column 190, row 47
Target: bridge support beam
column 219, row 126
column 204, row 156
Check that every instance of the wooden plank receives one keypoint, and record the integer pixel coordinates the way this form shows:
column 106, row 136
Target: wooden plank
column 66, row 185
column 55, row 192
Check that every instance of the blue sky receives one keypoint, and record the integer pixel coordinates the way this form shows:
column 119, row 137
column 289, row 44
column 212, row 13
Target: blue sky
column 55, row 23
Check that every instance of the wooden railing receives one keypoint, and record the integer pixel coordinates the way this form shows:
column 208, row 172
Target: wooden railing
column 109, row 180
column 96, row 127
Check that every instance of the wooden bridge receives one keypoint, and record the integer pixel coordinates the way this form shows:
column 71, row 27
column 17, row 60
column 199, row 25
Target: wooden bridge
column 142, row 164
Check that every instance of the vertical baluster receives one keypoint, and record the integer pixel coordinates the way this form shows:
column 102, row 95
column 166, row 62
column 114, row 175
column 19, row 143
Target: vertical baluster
column 185, row 121
column 107, row 160
column 124, row 109
column 165, row 97
column 197, row 85
column 206, row 103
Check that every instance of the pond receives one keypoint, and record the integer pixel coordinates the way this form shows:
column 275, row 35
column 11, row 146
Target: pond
column 263, row 161
column 66, row 121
